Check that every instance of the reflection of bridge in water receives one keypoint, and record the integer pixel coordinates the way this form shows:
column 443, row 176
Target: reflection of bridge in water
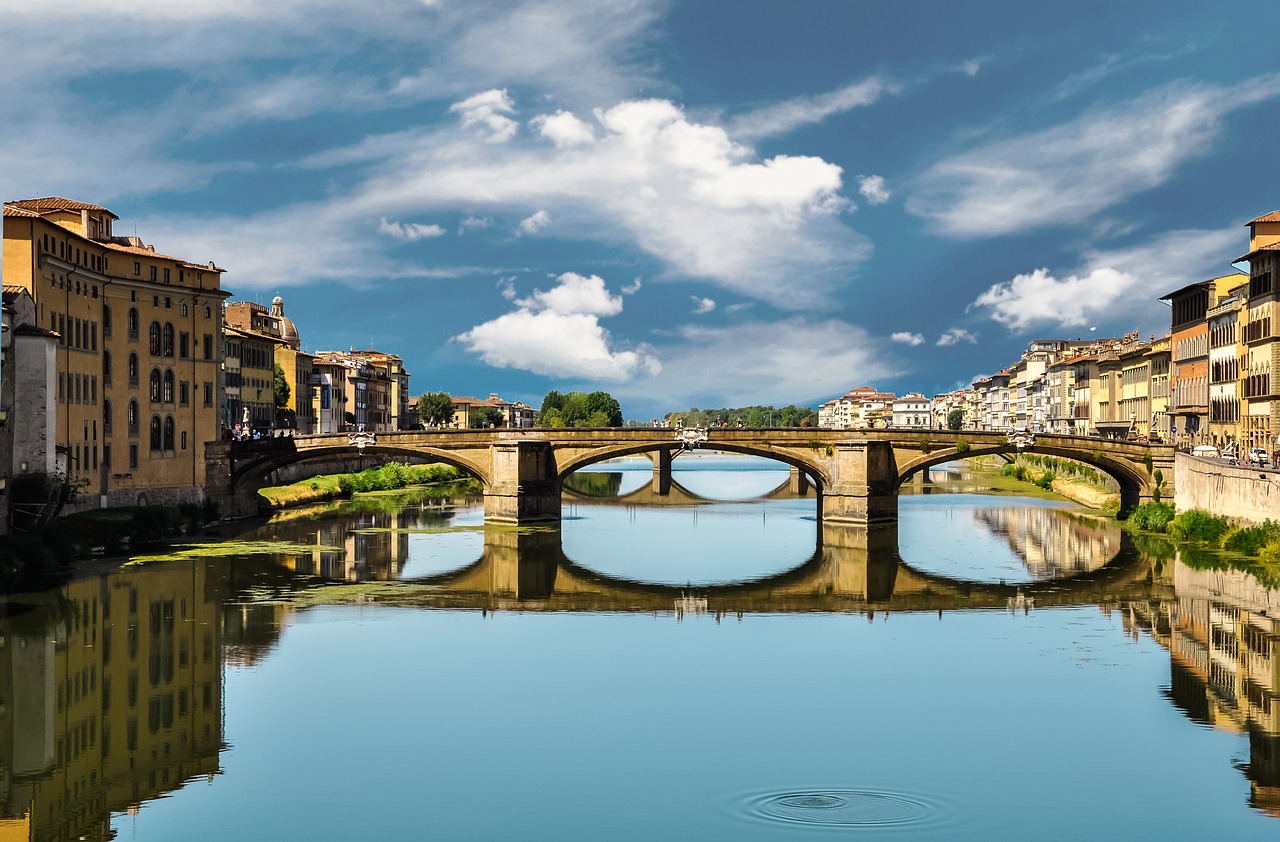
column 602, row 487
column 528, row 570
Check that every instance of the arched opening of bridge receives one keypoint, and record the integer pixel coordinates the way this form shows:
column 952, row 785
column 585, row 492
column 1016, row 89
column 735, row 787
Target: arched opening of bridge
column 696, row 517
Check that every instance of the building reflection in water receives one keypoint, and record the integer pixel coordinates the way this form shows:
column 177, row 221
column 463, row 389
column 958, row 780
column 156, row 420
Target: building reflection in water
column 110, row 695
column 1053, row 543
column 1222, row 632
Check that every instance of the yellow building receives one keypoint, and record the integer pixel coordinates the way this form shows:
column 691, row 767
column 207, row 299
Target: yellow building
column 138, row 364
column 1260, row 412
column 250, row 319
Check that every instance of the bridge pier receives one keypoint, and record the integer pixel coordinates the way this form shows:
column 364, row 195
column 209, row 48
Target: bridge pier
column 863, row 484
column 860, row 560
column 662, row 472
column 522, row 566
column 798, row 482
column 524, row 487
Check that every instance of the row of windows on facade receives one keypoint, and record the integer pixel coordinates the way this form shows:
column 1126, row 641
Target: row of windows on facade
column 133, row 413
column 249, row 355
column 101, row 263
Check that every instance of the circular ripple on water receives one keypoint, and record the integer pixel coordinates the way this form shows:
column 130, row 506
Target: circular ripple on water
column 843, row 808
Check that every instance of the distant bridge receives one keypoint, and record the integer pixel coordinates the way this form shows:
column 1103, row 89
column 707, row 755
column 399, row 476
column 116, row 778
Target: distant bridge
column 856, row 473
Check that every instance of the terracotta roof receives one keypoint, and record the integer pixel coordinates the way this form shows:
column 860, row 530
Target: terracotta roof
column 50, row 203
column 12, row 210
column 139, row 251
column 1274, row 216
column 13, row 289
column 1268, row 247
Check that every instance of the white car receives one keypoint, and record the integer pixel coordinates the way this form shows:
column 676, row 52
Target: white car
column 1258, row 456
column 1206, row 450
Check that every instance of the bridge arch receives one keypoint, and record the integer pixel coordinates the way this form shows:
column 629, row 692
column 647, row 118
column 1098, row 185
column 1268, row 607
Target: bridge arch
column 1132, row 482
column 581, row 460
column 254, row 473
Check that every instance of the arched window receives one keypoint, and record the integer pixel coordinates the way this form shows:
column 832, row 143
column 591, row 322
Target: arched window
column 106, row 368
column 168, row 387
column 208, row 312
column 133, row 369
column 106, row 417
column 106, row 322
column 133, row 322
column 133, row 418
column 184, row 308
column 154, row 394
column 168, row 340
column 155, row 339
column 155, row 432
column 168, row 433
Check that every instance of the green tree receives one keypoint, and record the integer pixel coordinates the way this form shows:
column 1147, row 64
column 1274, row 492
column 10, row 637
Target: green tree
column 604, row 404
column 281, row 388
column 550, row 418
column 435, row 409
column 955, row 419
column 486, row 416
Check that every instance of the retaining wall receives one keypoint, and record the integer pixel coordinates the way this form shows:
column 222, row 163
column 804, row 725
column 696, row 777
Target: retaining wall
column 1243, row 494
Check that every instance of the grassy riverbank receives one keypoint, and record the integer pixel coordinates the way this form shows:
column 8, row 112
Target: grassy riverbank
column 391, row 477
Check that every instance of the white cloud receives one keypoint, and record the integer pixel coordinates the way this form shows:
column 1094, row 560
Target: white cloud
column 782, row 117
column 631, row 288
column 955, row 336
column 411, row 231
column 907, row 338
column 873, row 189
column 535, row 223
column 761, row 362
column 1111, row 285
column 1068, row 173
column 474, row 223
column 575, row 293
column 488, row 110
column 702, row 305
column 558, row 333
column 680, row 190
column 564, row 129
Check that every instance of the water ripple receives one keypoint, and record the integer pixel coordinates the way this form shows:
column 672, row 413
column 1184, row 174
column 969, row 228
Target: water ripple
column 848, row 808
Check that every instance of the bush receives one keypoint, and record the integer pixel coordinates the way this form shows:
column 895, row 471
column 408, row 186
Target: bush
column 962, row 446
column 1198, row 525
column 925, row 446
column 1250, row 540
column 1152, row 517
column 1045, row 480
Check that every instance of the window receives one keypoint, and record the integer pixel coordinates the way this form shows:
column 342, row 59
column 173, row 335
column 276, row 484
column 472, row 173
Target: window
column 208, row 312
column 133, row 322
column 168, row 340
column 106, row 368
column 184, row 308
column 133, row 457
column 168, row 433
column 93, row 336
column 208, row 394
column 166, row 275
column 208, row 346
column 133, row 425
column 154, row 392
column 155, row 433
column 106, row 417
column 184, row 393
column 184, row 439
column 133, row 370
column 153, row 273
column 168, row 389
column 155, row 339
column 137, row 268
column 184, row 344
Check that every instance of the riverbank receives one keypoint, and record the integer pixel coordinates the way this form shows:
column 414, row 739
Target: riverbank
column 390, row 477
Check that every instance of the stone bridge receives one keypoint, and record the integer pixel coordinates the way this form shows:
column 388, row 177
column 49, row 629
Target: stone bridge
column 856, row 473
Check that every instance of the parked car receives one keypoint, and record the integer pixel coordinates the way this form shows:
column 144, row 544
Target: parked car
column 1207, row 451
column 1258, row 457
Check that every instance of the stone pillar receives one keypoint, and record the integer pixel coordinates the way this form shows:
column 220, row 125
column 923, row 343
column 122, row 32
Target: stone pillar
column 661, row 472
column 863, row 484
column 523, row 485
column 798, row 482
column 860, row 560
column 522, row 565
column 232, row 501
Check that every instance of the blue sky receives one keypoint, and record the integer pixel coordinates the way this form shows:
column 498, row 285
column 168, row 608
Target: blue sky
column 701, row 203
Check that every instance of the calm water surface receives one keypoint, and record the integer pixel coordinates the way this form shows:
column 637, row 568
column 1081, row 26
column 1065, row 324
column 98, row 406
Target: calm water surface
column 663, row 667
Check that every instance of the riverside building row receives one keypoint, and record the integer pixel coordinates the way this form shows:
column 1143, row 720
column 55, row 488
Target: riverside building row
column 1214, row 378
column 119, row 362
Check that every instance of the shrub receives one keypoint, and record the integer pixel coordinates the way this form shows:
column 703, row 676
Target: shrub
column 925, row 446
column 1250, row 540
column 1198, row 525
column 1045, row 480
column 1152, row 517
column 962, row 446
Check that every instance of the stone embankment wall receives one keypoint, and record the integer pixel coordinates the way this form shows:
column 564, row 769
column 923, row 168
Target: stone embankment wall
column 1239, row 493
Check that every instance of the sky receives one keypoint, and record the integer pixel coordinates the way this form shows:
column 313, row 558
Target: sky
column 711, row 203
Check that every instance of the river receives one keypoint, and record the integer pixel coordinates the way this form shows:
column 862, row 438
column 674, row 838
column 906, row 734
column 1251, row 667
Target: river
column 709, row 664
